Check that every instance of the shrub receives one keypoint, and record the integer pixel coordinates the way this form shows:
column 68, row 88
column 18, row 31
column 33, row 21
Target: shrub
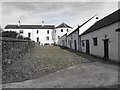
column 10, row 34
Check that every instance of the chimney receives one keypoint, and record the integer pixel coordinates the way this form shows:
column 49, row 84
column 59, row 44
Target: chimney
column 42, row 23
column 19, row 23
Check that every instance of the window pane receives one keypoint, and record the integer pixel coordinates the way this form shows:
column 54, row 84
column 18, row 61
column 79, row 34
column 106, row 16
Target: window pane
column 95, row 41
column 29, row 34
column 37, row 31
column 47, row 31
column 61, row 30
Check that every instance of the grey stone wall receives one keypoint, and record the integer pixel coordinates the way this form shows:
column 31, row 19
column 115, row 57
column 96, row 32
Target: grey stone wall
column 13, row 49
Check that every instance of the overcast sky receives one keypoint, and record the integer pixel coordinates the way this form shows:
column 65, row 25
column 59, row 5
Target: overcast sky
column 72, row 13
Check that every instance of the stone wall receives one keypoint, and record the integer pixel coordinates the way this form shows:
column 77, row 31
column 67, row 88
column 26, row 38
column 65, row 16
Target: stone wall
column 13, row 49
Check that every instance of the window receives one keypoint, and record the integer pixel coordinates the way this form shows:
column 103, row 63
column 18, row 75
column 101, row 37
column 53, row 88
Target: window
column 67, row 30
column 83, row 44
column 47, row 38
column 47, row 31
column 95, row 41
column 55, row 31
column 29, row 34
column 21, row 31
column 61, row 30
column 37, row 31
column 37, row 39
column 58, row 37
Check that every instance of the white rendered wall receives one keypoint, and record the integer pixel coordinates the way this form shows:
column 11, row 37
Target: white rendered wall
column 42, row 34
column 57, row 32
column 63, row 41
column 74, row 36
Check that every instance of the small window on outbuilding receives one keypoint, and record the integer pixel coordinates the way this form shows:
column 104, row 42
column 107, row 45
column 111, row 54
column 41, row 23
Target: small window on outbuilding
column 95, row 43
column 83, row 44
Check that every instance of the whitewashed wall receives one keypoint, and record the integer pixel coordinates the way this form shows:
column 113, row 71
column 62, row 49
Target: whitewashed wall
column 57, row 32
column 100, row 34
column 42, row 34
column 74, row 36
column 63, row 41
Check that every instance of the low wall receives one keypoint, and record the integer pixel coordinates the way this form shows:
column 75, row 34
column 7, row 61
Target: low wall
column 13, row 49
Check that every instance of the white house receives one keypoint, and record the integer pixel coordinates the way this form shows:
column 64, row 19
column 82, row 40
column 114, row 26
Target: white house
column 38, row 33
column 102, row 39
column 60, row 30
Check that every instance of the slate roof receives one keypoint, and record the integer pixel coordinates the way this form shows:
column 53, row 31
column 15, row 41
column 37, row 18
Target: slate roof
column 108, row 20
column 30, row 27
column 63, row 25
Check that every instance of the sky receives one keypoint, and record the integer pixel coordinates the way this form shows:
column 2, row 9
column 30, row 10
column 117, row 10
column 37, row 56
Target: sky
column 72, row 12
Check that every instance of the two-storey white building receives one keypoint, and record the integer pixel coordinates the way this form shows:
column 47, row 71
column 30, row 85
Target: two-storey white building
column 38, row 33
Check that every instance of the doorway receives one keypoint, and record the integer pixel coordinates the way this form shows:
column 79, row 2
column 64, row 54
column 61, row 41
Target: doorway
column 106, row 48
column 87, row 46
column 37, row 39
column 75, row 44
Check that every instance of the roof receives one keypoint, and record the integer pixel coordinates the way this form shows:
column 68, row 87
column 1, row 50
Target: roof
column 30, row 27
column 108, row 20
column 77, row 27
column 63, row 25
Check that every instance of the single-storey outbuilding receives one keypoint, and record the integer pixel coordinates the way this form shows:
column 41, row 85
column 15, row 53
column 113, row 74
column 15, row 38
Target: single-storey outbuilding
column 102, row 39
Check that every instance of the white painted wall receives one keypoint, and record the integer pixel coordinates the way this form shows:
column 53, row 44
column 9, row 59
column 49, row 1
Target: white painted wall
column 57, row 32
column 73, row 36
column 100, row 34
column 63, row 41
column 42, row 34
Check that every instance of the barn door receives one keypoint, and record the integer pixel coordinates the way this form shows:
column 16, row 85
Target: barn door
column 75, row 45
column 87, row 46
column 106, row 48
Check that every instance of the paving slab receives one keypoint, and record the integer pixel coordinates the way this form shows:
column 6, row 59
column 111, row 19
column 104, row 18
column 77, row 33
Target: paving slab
column 85, row 75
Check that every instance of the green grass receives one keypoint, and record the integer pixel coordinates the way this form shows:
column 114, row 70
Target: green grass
column 40, row 61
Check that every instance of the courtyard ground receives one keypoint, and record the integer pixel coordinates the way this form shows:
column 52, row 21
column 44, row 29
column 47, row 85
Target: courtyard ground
column 52, row 66
column 40, row 61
